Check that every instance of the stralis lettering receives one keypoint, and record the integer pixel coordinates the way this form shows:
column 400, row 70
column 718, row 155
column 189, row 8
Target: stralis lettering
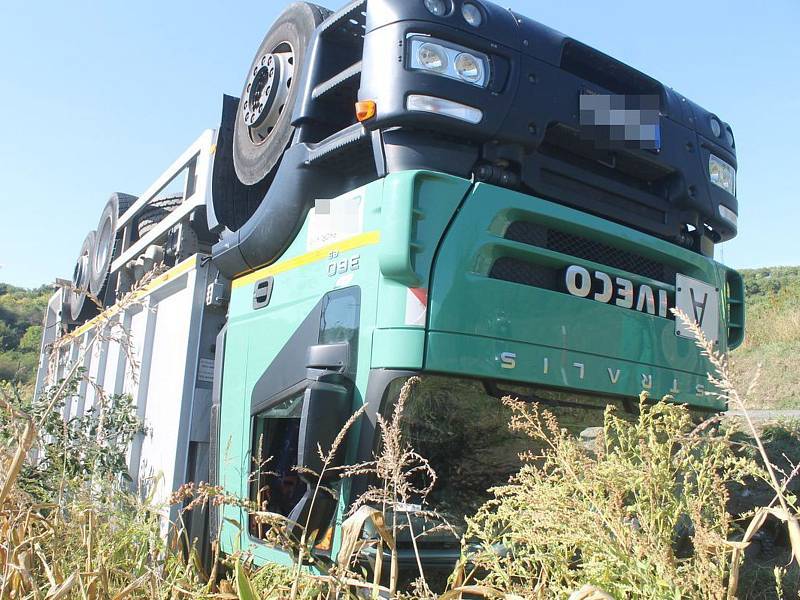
column 629, row 378
column 602, row 287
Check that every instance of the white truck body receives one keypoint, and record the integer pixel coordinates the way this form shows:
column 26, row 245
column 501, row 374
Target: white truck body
column 156, row 344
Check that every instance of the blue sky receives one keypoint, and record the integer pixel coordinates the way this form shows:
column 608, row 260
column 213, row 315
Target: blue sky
column 102, row 97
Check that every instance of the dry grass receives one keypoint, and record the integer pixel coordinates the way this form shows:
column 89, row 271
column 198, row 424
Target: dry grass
column 771, row 345
column 774, row 319
column 645, row 516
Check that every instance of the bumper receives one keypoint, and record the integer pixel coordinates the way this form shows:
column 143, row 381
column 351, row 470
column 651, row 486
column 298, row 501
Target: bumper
column 531, row 120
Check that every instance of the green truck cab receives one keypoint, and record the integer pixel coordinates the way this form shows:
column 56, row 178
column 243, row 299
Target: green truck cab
column 472, row 287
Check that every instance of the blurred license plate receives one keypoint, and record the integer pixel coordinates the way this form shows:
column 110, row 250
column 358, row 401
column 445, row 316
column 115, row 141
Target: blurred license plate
column 621, row 121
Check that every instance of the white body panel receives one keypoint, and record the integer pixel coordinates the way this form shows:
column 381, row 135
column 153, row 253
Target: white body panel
column 169, row 330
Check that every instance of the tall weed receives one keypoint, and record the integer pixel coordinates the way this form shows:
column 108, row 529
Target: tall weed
column 644, row 517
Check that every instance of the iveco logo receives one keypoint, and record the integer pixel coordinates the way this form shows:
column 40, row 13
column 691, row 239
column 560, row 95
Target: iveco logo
column 602, row 287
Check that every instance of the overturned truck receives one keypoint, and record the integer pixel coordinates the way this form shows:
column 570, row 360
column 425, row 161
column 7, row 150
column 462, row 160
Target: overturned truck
column 404, row 187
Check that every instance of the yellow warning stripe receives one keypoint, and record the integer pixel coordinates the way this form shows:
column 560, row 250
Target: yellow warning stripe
column 358, row 241
column 173, row 273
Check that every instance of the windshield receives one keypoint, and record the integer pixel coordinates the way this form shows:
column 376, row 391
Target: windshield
column 461, row 427
column 463, row 432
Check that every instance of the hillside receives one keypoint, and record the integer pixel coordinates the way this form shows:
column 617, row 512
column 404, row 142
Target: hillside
column 21, row 313
column 772, row 337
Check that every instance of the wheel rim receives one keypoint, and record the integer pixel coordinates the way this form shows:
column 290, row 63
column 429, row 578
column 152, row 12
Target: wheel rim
column 267, row 92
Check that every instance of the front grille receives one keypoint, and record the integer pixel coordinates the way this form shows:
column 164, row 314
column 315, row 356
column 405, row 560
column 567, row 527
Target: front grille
column 617, row 77
column 736, row 312
column 580, row 247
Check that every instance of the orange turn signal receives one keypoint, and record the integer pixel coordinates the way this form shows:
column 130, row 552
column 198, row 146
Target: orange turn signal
column 365, row 109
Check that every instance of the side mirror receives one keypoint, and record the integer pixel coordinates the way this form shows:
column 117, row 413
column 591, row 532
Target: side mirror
column 327, row 405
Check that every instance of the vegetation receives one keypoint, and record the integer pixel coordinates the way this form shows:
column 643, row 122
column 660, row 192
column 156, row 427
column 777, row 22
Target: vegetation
column 658, row 507
column 640, row 518
column 772, row 338
column 21, row 315
column 655, row 510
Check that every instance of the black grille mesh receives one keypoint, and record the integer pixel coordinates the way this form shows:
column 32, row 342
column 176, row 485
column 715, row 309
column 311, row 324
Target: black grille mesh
column 581, row 247
column 525, row 273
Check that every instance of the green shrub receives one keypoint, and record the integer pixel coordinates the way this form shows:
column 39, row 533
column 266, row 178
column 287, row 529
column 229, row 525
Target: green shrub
column 644, row 517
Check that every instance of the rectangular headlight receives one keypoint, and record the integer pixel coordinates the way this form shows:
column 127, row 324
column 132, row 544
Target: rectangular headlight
column 722, row 174
column 449, row 60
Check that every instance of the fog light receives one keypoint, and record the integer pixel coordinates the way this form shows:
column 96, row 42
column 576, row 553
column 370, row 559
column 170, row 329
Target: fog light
column 468, row 67
column 472, row 14
column 722, row 174
column 441, row 106
column 432, row 57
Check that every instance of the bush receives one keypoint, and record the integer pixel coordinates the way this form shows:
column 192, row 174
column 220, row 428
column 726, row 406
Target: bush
column 18, row 367
column 84, row 449
column 644, row 517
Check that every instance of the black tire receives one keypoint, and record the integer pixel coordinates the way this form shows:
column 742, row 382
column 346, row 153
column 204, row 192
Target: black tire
column 79, row 307
column 106, row 240
column 295, row 26
column 124, row 202
column 168, row 201
column 156, row 211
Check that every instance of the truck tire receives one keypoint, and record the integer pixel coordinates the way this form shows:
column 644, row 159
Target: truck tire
column 156, row 211
column 106, row 239
column 124, row 201
column 79, row 308
column 263, row 127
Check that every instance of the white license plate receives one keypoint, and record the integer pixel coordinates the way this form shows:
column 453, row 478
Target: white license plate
column 700, row 302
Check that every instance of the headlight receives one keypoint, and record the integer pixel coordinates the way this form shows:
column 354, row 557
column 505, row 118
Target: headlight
column 449, row 60
column 722, row 174
column 438, row 8
column 472, row 14
column 432, row 57
column 468, row 67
